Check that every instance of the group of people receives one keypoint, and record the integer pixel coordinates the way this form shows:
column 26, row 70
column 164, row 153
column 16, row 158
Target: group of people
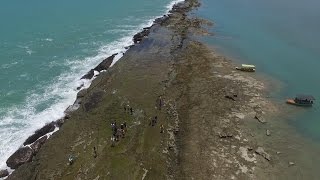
column 128, row 109
column 154, row 121
column 120, row 131
column 117, row 132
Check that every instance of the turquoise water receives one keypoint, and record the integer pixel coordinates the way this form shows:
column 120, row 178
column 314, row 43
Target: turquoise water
column 282, row 38
column 46, row 46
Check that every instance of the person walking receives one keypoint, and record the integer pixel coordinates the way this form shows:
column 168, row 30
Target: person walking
column 160, row 102
column 113, row 141
column 94, row 152
column 161, row 128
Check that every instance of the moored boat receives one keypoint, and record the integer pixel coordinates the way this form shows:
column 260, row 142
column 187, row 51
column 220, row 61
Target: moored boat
column 247, row 68
column 302, row 100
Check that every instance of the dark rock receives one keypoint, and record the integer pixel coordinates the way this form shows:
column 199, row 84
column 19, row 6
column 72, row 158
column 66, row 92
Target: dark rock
column 225, row 135
column 40, row 132
column 20, row 157
column 262, row 153
column 4, row 173
column 139, row 36
column 60, row 122
column 37, row 145
column 128, row 47
column 89, row 75
column 260, row 118
column 67, row 117
column 104, row 65
column 81, row 86
column 229, row 97
column 161, row 20
column 176, row 131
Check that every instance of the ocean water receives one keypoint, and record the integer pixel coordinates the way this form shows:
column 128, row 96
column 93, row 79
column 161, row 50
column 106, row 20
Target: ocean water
column 281, row 38
column 46, row 46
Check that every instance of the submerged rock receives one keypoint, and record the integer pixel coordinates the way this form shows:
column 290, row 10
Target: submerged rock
column 261, row 152
column 20, row 157
column 260, row 118
column 40, row 132
column 4, row 173
column 79, row 87
column 230, row 97
column 268, row 132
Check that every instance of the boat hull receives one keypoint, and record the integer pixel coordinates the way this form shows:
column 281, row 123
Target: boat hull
column 245, row 69
column 291, row 101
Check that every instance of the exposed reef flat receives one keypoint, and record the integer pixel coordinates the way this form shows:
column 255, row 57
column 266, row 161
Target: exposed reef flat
column 200, row 102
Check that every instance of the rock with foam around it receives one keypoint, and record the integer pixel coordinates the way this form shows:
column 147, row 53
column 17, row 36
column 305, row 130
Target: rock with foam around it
column 4, row 173
column 20, row 157
column 40, row 132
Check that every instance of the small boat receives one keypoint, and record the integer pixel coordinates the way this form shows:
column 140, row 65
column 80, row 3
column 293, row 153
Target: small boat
column 302, row 100
column 247, row 68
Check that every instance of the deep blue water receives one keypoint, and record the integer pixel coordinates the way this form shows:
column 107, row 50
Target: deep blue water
column 281, row 38
column 46, row 46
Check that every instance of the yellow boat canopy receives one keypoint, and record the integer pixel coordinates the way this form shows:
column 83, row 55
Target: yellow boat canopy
column 248, row 66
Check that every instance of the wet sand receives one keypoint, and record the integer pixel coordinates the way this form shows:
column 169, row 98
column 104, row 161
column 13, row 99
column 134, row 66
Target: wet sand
column 208, row 114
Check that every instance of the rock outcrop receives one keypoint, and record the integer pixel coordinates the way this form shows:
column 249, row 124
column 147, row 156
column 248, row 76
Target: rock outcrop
column 260, row 118
column 139, row 36
column 104, row 65
column 4, row 173
column 20, row 157
column 161, row 20
column 37, row 145
column 262, row 153
column 225, row 135
column 40, row 132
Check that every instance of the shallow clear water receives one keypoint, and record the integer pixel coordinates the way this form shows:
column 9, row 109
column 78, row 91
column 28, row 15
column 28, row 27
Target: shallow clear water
column 46, row 46
column 281, row 38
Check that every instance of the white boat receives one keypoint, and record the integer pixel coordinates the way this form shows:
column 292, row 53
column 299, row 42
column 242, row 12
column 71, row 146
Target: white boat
column 247, row 68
